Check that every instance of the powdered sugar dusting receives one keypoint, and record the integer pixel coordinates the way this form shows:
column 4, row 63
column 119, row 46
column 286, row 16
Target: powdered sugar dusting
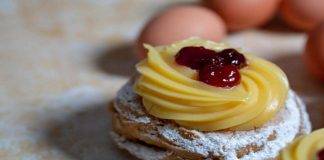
column 138, row 150
column 306, row 126
column 126, row 97
column 286, row 125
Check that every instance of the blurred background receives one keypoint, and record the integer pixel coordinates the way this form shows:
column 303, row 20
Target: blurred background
column 62, row 61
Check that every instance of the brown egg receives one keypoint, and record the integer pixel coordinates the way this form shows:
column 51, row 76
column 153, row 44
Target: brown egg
column 302, row 14
column 180, row 22
column 314, row 52
column 242, row 14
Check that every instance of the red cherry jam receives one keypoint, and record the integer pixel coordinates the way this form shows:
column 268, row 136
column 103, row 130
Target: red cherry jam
column 226, row 76
column 232, row 57
column 219, row 69
column 320, row 155
column 193, row 57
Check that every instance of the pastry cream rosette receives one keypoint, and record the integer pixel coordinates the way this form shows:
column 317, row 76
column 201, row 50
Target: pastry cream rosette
column 171, row 91
column 305, row 147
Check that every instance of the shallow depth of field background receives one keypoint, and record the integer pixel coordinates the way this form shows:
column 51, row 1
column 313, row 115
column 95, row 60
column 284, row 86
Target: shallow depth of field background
column 62, row 62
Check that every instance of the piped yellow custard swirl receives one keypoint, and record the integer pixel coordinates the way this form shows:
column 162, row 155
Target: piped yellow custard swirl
column 171, row 91
column 305, row 147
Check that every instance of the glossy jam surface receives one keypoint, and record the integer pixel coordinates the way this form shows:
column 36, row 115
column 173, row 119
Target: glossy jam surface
column 173, row 91
column 320, row 154
column 232, row 57
column 306, row 147
column 194, row 57
column 226, row 77
column 218, row 69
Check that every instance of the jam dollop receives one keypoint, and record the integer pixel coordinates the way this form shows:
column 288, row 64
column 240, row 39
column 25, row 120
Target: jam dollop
column 194, row 57
column 320, row 155
column 218, row 69
column 227, row 76
column 232, row 57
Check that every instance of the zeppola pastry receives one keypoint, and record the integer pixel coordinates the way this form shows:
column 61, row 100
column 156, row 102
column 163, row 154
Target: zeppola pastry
column 305, row 147
column 197, row 99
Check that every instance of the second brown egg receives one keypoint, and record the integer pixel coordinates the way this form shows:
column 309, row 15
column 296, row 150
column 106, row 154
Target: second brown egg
column 314, row 52
column 302, row 14
column 243, row 14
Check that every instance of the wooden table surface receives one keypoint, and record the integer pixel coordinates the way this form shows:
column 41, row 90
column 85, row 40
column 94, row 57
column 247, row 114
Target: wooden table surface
column 62, row 61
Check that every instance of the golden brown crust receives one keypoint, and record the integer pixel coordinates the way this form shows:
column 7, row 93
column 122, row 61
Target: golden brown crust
column 137, row 132
column 149, row 135
column 128, row 122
